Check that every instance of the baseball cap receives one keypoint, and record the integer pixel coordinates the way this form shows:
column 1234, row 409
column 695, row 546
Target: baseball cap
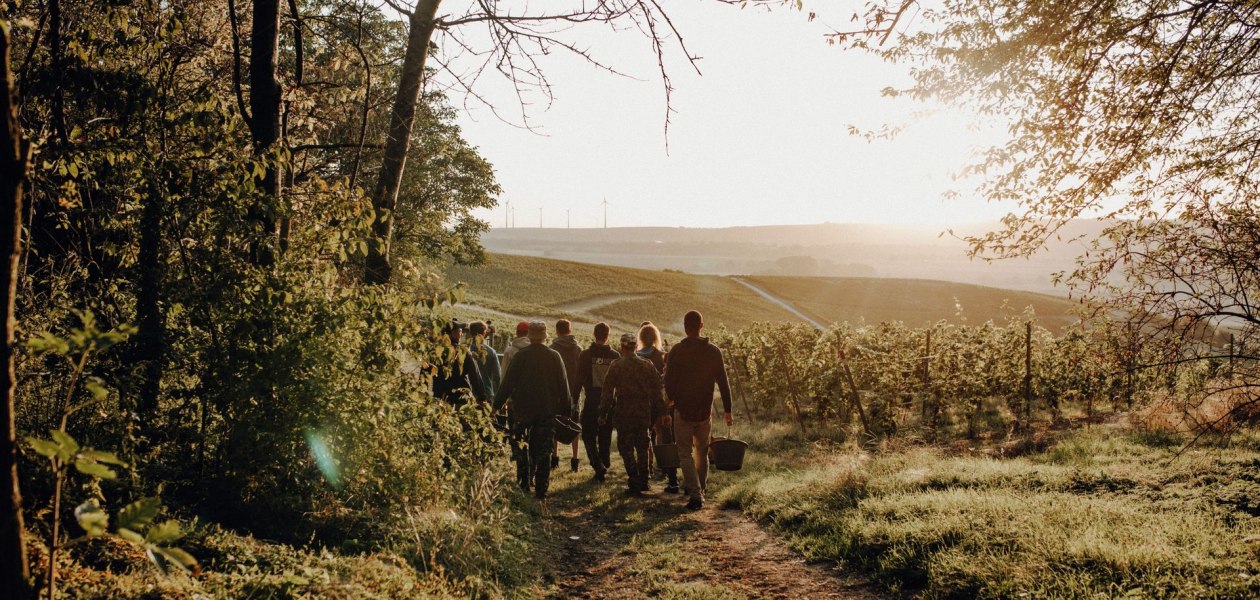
column 522, row 328
column 629, row 339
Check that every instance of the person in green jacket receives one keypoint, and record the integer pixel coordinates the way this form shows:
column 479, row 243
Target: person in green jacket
column 536, row 390
column 632, row 402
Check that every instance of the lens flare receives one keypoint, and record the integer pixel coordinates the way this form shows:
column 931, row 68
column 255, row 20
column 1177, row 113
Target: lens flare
column 323, row 457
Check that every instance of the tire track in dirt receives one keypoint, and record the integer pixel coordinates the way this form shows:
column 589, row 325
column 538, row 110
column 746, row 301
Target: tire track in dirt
column 586, row 305
column 784, row 304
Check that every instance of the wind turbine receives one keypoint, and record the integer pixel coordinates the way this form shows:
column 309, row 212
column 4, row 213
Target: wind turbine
column 605, row 212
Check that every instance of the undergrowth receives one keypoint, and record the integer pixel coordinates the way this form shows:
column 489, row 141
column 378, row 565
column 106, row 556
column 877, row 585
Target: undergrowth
column 1106, row 512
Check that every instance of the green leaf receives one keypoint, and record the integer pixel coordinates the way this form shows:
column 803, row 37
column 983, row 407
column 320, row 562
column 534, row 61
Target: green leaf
column 139, row 513
column 68, row 446
column 47, row 343
column 165, row 558
column 88, row 466
column 98, row 390
column 91, row 518
column 164, row 533
column 130, row 535
column 180, row 558
column 44, row 447
column 104, row 457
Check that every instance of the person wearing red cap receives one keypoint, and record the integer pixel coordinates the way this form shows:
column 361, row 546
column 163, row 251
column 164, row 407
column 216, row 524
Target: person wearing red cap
column 521, row 341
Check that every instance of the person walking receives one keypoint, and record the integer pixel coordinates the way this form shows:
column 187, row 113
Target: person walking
column 569, row 349
column 458, row 377
column 631, row 401
column 650, row 350
column 593, row 366
column 487, row 359
column 520, row 342
column 536, row 390
column 693, row 368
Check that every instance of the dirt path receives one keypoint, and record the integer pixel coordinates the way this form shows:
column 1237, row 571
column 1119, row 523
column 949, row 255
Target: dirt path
column 586, row 305
column 610, row 546
column 781, row 302
column 577, row 312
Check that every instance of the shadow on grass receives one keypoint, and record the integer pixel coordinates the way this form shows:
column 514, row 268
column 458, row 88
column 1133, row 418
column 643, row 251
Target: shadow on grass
column 610, row 529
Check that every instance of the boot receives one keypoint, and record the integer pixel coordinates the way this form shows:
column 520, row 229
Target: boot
column 672, row 486
column 573, row 464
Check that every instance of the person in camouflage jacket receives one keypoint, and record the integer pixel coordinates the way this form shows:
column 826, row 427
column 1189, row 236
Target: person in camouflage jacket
column 632, row 403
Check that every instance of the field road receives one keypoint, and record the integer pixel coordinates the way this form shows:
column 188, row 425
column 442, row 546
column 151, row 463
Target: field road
column 605, row 546
column 779, row 301
column 586, row 305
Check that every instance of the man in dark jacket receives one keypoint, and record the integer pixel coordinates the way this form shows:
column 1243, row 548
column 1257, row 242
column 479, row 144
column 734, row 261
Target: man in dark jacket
column 694, row 367
column 566, row 345
column 536, row 390
column 632, row 403
column 487, row 359
column 458, row 377
column 593, row 366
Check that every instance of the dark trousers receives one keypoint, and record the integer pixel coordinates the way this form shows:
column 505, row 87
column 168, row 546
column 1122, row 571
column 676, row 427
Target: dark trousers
column 596, row 438
column 632, row 445
column 532, row 443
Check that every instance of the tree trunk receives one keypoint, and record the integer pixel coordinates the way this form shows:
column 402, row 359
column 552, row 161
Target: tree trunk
column 264, row 105
column 14, row 161
column 385, row 195
column 151, row 340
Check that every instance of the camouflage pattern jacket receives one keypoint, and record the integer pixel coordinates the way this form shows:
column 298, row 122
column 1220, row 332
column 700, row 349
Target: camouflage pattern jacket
column 632, row 394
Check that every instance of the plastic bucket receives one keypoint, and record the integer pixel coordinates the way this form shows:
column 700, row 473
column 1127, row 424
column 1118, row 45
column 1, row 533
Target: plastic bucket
column 727, row 454
column 567, row 429
column 666, row 456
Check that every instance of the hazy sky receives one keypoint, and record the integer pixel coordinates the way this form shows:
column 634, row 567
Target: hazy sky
column 760, row 138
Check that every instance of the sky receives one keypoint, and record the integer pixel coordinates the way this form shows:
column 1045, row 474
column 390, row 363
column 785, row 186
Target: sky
column 760, row 137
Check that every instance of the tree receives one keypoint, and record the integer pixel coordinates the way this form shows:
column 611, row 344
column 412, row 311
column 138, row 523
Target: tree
column 264, row 103
column 1144, row 113
column 510, row 42
column 14, row 165
column 421, row 23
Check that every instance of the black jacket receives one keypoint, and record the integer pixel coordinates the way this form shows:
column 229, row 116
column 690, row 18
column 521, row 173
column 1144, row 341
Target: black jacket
column 693, row 367
column 451, row 378
column 535, row 386
column 569, row 351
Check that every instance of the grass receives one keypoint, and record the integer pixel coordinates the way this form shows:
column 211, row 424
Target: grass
column 530, row 286
column 913, row 301
column 586, row 293
column 1099, row 513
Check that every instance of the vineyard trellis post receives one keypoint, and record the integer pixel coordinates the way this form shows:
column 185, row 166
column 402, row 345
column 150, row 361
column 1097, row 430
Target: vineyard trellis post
column 1028, row 397
column 792, row 397
column 735, row 363
column 1230, row 371
column 855, row 398
column 925, row 374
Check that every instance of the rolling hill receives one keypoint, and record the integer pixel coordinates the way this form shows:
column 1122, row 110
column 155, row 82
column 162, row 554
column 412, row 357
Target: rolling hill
column 822, row 250
column 913, row 301
column 511, row 287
